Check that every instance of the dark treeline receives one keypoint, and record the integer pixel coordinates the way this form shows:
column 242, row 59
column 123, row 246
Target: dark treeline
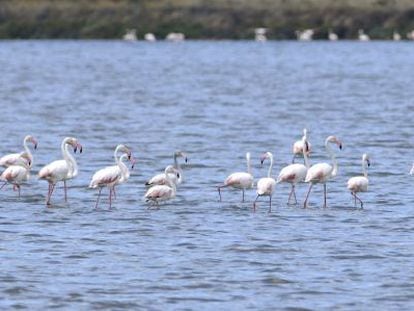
column 199, row 19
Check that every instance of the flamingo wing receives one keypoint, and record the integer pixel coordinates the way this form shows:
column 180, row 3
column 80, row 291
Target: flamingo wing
column 55, row 171
column 265, row 185
column 105, row 177
column 292, row 173
column 15, row 173
column 239, row 180
column 159, row 192
column 319, row 172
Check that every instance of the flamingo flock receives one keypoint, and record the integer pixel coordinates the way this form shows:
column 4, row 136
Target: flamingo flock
column 163, row 186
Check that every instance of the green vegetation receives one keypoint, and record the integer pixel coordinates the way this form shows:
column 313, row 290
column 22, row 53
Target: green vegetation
column 213, row 19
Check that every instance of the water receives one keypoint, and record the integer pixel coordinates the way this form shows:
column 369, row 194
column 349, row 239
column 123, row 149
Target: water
column 214, row 100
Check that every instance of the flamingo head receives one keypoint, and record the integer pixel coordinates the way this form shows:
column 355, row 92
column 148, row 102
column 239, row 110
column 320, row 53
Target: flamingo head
column 74, row 143
column 26, row 157
column 125, row 149
column 31, row 139
column 333, row 139
column 305, row 132
column 365, row 159
column 248, row 156
column 133, row 161
column 265, row 156
column 181, row 154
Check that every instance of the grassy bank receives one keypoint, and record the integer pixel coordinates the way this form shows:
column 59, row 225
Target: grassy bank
column 214, row 19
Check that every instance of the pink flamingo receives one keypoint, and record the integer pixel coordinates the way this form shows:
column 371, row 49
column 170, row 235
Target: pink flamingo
column 295, row 173
column 298, row 146
column 160, row 179
column 239, row 180
column 15, row 158
column 322, row 172
column 266, row 185
column 112, row 175
column 165, row 192
column 17, row 174
column 61, row 170
column 360, row 183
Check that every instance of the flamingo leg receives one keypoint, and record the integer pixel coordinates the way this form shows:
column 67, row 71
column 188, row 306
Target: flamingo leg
column 18, row 188
column 3, row 185
column 293, row 159
column 52, row 187
column 294, row 193
column 324, row 196
column 360, row 201
column 219, row 188
column 290, row 195
column 270, row 203
column 114, row 193
column 110, row 198
column 66, row 190
column 305, row 204
column 99, row 195
column 353, row 194
column 242, row 195
column 254, row 203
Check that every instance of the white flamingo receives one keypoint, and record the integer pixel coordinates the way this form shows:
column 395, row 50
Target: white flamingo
column 17, row 174
column 160, row 179
column 15, row 159
column 295, row 173
column 322, row 172
column 61, row 170
column 110, row 176
column 362, row 36
column 297, row 148
column 266, row 185
column 165, row 192
column 360, row 183
column 239, row 180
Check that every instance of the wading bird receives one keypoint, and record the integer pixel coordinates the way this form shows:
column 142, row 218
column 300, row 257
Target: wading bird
column 322, row 172
column 111, row 176
column 61, row 170
column 15, row 159
column 295, row 173
column 165, row 192
column 17, row 174
column 360, row 183
column 298, row 146
column 160, row 179
column 266, row 185
column 239, row 180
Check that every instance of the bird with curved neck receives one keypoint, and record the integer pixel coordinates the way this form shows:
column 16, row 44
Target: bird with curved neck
column 239, row 180
column 322, row 172
column 360, row 183
column 17, row 174
column 165, row 192
column 111, row 176
column 266, row 185
column 299, row 146
column 160, row 179
column 61, row 170
column 295, row 173
column 15, row 159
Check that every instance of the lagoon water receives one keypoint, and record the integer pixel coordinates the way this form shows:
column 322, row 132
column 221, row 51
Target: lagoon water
column 216, row 101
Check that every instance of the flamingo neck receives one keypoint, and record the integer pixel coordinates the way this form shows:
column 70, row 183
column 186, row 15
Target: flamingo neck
column 364, row 168
column 249, row 169
column 269, row 172
column 123, row 167
column 171, row 182
column 26, row 148
column 305, row 156
column 70, row 160
column 333, row 159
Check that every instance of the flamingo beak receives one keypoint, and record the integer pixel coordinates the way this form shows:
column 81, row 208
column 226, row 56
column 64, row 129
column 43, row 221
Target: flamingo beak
column 368, row 163
column 186, row 160
column 340, row 145
column 262, row 159
column 130, row 158
column 133, row 161
column 35, row 143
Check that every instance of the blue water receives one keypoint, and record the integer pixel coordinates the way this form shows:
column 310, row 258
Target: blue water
column 216, row 101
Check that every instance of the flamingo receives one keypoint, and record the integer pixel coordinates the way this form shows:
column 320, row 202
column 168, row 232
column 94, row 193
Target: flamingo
column 295, row 173
column 15, row 158
column 322, row 172
column 298, row 146
column 239, row 180
column 360, row 183
column 412, row 170
column 17, row 174
column 112, row 175
column 266, row 185
column 61, row 170
column 166, row 192
column 160, row 179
